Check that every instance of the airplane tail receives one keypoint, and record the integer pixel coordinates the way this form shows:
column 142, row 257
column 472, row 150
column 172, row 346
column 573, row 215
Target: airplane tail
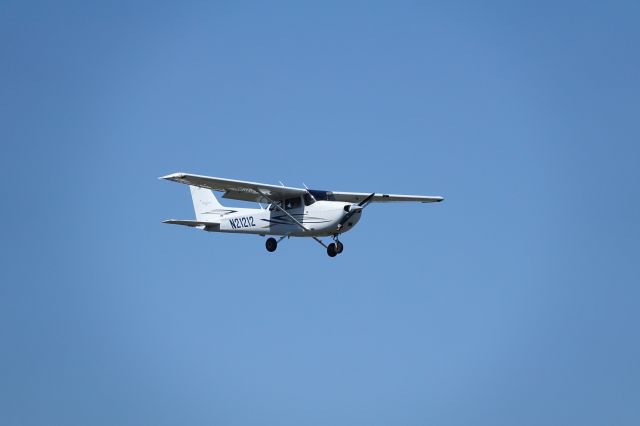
column 206, row 205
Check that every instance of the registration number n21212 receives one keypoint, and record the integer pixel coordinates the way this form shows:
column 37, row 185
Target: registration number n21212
column 242, row 222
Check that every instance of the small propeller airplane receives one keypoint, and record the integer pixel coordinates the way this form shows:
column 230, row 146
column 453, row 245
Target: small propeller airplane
column 289, row 212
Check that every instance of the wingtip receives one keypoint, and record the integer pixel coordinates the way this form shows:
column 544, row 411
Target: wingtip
column 435, row 200
column 172, row 176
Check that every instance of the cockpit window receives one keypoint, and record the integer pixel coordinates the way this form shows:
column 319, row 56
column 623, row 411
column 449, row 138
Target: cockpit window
column 272, row 207
column 291, row 203
column 308, row 199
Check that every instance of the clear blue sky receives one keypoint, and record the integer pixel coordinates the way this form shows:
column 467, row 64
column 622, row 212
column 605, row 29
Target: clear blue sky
column 514, row 302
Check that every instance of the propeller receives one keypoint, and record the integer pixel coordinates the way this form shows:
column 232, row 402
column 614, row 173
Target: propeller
column 366, row 201
column 355, row 208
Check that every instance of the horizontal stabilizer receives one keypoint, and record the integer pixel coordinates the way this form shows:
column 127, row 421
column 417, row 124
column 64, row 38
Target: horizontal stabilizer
column 194, row 224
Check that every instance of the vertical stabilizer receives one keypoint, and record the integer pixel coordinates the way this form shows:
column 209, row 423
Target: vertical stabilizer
column 205, row 204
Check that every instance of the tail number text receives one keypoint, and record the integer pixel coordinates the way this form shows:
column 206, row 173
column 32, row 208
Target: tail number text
column 242, row 222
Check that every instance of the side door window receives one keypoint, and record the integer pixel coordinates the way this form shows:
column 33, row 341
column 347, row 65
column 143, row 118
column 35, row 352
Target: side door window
column 292, row 203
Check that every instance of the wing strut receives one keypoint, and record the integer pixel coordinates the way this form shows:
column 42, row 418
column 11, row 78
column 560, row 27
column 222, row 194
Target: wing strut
column 304, row 228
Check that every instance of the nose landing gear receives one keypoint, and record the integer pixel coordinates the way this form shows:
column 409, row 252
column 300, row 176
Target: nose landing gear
column 336, row 248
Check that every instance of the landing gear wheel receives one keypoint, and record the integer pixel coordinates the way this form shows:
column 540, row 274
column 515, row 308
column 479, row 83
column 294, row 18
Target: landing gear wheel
column 339, row 247
column 271, row 244
column 332, row 250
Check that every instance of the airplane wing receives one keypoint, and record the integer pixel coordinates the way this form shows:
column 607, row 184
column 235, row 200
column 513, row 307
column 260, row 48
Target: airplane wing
column 354, row 197
column 238, row 189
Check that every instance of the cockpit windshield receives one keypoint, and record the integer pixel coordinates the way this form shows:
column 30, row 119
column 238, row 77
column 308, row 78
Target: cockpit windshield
column 322, row 195
column 308, row 199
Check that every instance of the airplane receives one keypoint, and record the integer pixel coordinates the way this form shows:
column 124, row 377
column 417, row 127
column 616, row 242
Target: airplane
column 289, row 212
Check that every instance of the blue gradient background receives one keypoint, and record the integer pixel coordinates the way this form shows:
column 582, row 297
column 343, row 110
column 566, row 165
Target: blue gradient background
column 514, row 302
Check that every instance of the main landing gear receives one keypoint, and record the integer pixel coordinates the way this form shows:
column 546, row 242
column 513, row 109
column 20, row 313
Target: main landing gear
column 333, row 249
column 271, row 244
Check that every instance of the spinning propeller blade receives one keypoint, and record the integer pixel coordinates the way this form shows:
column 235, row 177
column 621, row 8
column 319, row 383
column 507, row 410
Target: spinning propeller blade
column 366, row 201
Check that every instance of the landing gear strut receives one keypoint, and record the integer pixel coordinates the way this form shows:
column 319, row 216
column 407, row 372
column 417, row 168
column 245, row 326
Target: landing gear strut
column 271, row 244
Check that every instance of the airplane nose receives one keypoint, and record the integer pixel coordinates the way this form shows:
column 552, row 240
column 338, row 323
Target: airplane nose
column 352, row 209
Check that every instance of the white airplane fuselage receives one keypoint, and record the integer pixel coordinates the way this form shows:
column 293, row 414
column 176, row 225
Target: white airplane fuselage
column 322, row 218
